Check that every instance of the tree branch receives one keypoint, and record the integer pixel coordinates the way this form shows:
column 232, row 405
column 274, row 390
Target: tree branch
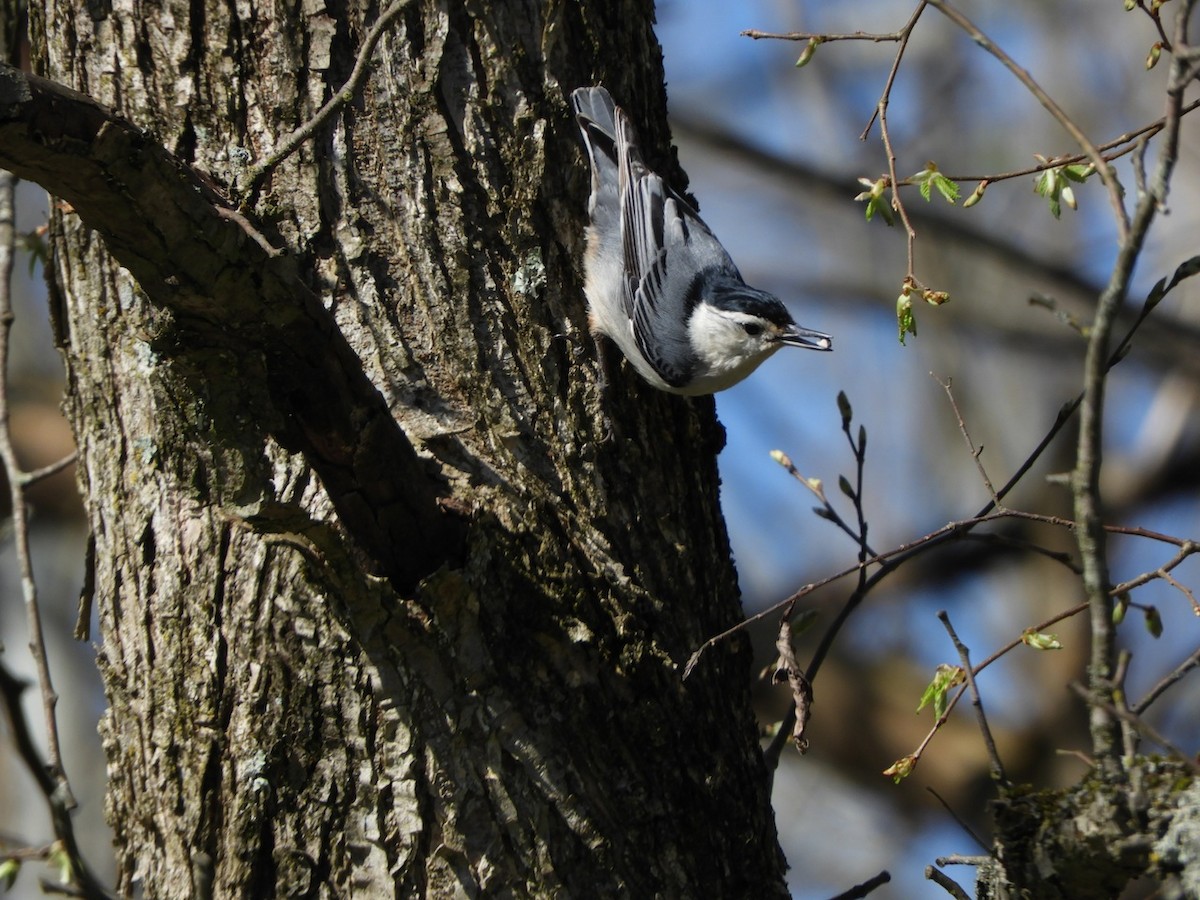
column 1086, row 476
column 172, row 231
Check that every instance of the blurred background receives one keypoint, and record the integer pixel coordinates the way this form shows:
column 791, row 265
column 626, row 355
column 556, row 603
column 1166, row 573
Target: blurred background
column 773, row 153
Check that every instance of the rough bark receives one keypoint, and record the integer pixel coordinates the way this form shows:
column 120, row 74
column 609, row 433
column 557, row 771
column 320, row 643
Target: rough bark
column 282, row 719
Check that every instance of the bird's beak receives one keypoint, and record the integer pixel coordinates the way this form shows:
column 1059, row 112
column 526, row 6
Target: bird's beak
column 795, row 336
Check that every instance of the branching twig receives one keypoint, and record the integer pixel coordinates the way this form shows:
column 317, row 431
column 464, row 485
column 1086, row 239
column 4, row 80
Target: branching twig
column 8, row 458
column 1103, row 169
column 792, row 723
column 1139, row 723
column 881, row 114
column 975, row 670
column 1086, row 477
column 50, row 775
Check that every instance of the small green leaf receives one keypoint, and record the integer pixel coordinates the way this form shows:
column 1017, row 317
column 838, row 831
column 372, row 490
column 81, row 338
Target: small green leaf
column 845, row 487
column 60, row 860
column 9, row 870
column 1054, row 184
column 844, row 407
column 904, row 315
column 1079, row 172
column 862, row 439
column 1049, row 185
column 946, row 187
column 930, row 178
column 901, row 768
column 1120, row 608
column 806, row 54
column 976, row 195
column 1040, row 640
column 935, row 298
column 1153, row 56
column 1154, row 623
column 945, row 676
column 876, row 198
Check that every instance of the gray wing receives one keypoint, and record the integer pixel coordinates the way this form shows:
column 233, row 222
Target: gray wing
column 669, row 253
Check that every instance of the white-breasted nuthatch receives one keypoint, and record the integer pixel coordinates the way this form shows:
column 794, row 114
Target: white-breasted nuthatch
column 658, row 282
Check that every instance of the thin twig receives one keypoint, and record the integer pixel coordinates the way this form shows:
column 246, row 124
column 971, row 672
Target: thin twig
column 881, row 114
column 962, row 428
column 902, row 36
column 1176, row 675
column 808, row 36
column 1186, row 549
column 1138, row 135
column 1182, row 588
column 997, row 766
column 862, row 890
column 858, row 447
column 8, row 458
column 30, row 478
column 892, row 559
column 957, row 818
column 340, row 98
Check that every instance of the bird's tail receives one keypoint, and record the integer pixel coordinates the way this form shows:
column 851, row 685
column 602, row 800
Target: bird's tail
column 596, row 114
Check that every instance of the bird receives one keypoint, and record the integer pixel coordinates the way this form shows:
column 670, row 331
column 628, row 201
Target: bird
column 657, row 280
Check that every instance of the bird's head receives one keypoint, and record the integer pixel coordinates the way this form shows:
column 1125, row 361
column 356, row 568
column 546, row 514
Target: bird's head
column 734, row 328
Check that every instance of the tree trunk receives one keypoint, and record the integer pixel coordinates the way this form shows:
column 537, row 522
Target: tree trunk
column 346, row 658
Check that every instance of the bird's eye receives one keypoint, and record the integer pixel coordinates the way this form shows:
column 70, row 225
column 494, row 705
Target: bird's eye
column 752, row 329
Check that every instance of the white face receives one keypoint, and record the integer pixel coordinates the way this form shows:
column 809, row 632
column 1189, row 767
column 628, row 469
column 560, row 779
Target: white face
column 730, row 345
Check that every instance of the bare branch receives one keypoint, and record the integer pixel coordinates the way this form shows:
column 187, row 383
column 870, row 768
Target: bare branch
column 163, row 223
column 1086, row 477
